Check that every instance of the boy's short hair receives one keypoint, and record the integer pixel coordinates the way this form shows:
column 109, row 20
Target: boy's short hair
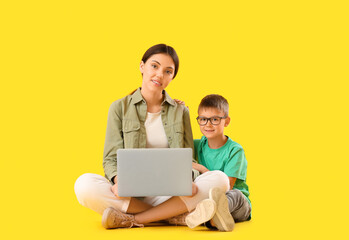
column 215, row 101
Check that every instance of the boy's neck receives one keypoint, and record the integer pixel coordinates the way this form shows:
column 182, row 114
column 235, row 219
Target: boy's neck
column 217, row 142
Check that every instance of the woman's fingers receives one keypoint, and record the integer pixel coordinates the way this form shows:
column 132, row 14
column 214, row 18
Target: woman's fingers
column 114, row 189
column 194, row 189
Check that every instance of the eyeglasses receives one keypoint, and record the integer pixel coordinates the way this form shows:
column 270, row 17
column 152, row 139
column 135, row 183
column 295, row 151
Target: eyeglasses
column 215, row 120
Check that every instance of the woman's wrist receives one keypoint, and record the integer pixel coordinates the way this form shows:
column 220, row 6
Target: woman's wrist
column 113, row 179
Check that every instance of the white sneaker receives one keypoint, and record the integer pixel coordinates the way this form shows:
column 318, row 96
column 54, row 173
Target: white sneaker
column 222, row 218
column 204, row 211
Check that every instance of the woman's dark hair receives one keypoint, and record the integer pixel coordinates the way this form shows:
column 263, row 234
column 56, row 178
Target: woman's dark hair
column 162, row 48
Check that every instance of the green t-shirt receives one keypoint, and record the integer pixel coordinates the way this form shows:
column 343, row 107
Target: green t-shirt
column 230, row 159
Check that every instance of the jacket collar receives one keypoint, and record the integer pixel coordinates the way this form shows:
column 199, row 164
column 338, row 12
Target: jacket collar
column 137, row 97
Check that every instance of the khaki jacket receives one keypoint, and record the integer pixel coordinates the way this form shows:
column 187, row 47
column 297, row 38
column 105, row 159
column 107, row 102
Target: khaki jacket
column 125, row 127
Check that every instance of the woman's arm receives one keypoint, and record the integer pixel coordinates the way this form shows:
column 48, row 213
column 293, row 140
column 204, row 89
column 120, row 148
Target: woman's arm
column 188, row 134
column 113, row 140
column 188, row 139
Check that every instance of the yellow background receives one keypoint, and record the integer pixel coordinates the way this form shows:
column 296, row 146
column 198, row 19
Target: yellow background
column 282, row 65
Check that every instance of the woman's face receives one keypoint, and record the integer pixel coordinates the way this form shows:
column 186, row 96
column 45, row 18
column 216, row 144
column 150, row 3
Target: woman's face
column 157, row 71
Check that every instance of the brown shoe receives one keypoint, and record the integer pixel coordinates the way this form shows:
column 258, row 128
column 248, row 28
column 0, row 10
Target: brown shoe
column 113, row 218
column 178, row 220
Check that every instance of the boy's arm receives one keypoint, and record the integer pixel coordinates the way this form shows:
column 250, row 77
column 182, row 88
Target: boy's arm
column 199, row 167
column 236, row 166
column 232, row 181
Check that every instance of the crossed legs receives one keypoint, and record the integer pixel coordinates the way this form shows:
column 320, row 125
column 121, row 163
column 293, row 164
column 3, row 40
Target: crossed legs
column 94, row 191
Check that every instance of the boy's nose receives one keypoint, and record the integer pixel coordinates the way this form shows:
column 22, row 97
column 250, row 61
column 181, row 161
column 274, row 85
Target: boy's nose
column 209, row 122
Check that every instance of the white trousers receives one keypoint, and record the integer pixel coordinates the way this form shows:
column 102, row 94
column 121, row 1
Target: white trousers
column 94, row 192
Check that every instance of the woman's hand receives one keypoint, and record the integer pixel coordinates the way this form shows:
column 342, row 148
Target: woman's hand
column 194, row 189
column 114, row 188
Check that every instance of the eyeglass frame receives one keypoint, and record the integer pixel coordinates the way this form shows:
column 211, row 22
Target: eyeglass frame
column 210, row 119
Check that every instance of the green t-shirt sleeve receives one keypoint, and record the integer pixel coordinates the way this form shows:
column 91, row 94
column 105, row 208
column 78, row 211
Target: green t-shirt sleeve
column 236, row 165
column 196, row 148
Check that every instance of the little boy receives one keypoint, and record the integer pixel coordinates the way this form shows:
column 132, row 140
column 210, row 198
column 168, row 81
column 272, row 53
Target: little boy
column 215, row 151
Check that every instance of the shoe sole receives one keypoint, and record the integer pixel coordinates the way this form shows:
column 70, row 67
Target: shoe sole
column 222, row 219
column 204, row 211
column 105, row 217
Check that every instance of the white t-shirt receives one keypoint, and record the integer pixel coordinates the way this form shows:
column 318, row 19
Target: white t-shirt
column 156, row 136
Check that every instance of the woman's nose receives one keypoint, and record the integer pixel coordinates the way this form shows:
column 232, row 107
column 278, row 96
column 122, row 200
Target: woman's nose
column 159, row 74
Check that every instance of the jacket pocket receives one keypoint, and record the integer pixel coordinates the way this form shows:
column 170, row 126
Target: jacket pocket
column 131, row 133
column 178, row 131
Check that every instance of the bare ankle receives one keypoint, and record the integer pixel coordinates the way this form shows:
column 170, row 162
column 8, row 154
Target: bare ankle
column 212, row 223
column 137, row 218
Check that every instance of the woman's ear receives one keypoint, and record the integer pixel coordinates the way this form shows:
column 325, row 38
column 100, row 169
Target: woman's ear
column 141, row 67
column 227, row 121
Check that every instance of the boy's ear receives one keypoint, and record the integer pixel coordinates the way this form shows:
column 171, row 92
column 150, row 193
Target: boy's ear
column 227, row 121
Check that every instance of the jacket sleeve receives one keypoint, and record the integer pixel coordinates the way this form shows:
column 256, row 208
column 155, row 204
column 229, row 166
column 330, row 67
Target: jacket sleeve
column 188, row 134
column 113, row 140
column 188, row 139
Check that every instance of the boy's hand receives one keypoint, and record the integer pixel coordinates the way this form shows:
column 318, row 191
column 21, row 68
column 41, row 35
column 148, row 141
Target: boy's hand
column 199, row 167
column 180, row 102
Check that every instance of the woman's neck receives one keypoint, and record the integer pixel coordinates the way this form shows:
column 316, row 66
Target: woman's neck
column 153, row 99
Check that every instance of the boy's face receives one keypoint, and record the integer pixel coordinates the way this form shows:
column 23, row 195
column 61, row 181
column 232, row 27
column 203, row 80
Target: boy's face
column 209, row 130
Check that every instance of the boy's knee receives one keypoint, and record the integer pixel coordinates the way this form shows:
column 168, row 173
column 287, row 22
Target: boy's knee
column 237, row 197
column 235, row 194
column 240, row 208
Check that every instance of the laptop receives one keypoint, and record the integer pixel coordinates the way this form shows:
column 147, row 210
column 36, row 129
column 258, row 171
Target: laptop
column 154, row 172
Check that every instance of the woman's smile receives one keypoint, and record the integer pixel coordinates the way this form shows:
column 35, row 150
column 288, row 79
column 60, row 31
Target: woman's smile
column 156, row 82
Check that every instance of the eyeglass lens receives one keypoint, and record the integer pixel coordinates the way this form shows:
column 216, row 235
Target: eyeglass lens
column 213, row 120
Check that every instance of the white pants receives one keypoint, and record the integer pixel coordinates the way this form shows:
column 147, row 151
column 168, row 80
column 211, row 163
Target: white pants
column 94, row 192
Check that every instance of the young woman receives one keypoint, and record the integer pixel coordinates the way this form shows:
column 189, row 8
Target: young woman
column 150, row 118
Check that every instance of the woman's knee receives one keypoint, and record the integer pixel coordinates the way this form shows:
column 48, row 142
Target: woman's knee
column 212, row 179
column 220, row 179
column 84, row 187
